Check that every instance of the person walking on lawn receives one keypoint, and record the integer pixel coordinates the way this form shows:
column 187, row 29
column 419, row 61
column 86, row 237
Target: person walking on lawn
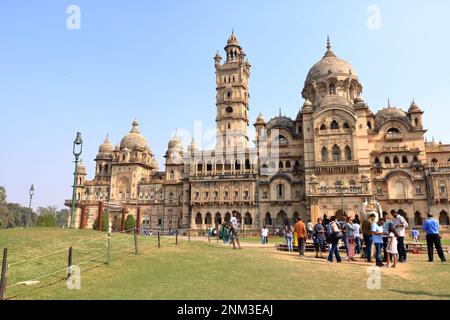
column 400, row 226
column 335, row 235
column 302, row 234
column 431, row 227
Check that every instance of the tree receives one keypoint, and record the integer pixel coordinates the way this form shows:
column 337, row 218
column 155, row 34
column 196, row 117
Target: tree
column 2, row 194
column 105, row 222
column 46, row 221
column 130, row 222
column 62, row 218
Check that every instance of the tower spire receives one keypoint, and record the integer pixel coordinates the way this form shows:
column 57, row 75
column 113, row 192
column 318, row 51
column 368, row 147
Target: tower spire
column 328, row 42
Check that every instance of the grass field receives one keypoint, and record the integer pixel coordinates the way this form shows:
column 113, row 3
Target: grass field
column 200, row 270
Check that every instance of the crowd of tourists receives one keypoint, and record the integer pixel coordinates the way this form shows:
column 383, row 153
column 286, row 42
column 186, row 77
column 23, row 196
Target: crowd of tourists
column 387, row 236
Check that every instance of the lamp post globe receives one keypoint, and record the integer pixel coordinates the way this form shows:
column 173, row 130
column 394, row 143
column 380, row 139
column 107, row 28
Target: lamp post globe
column 31, row 193
column 77, row 151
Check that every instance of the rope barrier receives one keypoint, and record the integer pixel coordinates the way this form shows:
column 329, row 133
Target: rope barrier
column 146, row 245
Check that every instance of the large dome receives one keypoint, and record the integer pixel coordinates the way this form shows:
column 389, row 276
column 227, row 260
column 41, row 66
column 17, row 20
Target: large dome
column 134, row 140
column 330, row 65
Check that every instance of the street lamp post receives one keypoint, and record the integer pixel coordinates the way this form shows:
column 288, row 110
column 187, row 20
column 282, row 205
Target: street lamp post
column 29, row 206
column 77, row 150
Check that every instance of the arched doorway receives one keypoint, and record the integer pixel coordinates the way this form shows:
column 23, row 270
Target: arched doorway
column 248, row 219
column 281, row 218
column 198, row 219
column 208, row 219
column 443, row 218
column 418, row 218
column 268, row 219
column 218, row 219
column 227, row 217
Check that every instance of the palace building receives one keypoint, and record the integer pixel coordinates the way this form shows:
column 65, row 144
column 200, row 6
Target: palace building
column 329, row 159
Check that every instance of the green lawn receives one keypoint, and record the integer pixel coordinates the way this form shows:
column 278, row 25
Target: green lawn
column 199, row 270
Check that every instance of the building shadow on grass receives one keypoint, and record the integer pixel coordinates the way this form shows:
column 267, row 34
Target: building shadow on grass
column 421, row 293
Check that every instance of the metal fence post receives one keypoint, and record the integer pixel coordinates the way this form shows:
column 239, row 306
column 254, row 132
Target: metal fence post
column 159, row 239
column 176, row 237
column 108, row 248
column 135, row 242
column 4, row 275
column 69, row 263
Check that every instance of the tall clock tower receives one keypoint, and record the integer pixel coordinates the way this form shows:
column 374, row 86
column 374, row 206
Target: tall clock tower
column 232, row 99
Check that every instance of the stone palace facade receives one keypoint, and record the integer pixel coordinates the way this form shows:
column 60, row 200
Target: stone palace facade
column 327, row 160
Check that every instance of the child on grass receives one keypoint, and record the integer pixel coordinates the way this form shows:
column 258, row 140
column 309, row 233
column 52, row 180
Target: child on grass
column 392, row 249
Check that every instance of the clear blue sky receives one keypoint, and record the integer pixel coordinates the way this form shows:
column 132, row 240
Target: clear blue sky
column 154, row 60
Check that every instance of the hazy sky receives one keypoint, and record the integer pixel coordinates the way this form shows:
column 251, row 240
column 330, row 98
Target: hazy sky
column 154, row 60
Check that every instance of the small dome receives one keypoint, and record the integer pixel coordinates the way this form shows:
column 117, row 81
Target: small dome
column 193, row 146
column 390, row 112
column 134, row 140
column 307, row 103
column 260, row 120
column 81, row 168
column 359, row 99
column 330, row 65
column 175, row 142
column 414, row 107
column 281, row 122
column 106, row 147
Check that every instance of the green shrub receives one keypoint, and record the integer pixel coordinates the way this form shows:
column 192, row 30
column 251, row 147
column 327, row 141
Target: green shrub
column 46, row 221
column 105, row 222
column 130, row 222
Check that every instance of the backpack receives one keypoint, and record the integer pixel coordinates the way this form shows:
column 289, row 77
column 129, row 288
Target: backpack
column 328, row 233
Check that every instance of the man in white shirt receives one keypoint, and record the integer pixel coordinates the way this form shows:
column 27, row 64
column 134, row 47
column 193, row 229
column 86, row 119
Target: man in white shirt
column 264, row 235
column 400, row 225
column 234, row 234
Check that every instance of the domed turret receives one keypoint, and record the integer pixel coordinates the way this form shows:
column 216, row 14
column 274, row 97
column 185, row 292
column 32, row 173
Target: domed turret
column 193, row 147
column 307, row 106
column 359, row 102
column 260, row 120
column 106, row 147
column 81, row 169
column 134, row 140
column 414, row 108
column 174, row 154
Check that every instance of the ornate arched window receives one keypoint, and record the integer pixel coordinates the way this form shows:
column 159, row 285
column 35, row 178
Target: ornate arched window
column 336, row 153
column 404, row 159
column 198, row 219
column 324, row 154
column 208, row 219
column 346, row 126
column 323, row 127
column 387, row 160
column 229, row 110
column 280, row 190
column 332, row 89
column 396, row 160
column 348, row 153
column 280, row 165
column 237, row 165
column 334, row 125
